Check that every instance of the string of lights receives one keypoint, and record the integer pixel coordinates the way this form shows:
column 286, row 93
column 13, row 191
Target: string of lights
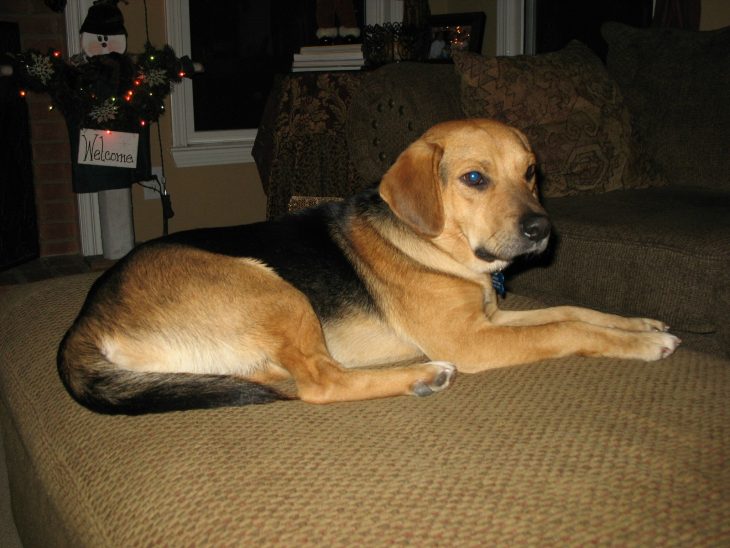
column 113, row 91
column 110, row 92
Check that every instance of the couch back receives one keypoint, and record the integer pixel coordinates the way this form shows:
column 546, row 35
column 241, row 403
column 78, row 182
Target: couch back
column 393, row 107
column 659, row 114
column 332, row 134
column 676, row 84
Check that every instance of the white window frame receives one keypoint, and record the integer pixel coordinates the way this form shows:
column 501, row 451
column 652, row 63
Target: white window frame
column 199, row 148
column 88, row 202
column 190, row 147
column 511, row 27
column 378, row 12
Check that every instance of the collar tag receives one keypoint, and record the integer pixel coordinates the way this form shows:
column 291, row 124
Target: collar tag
column 498, row 283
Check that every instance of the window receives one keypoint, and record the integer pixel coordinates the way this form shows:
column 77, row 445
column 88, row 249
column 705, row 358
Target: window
column 193, row 147
column 243, row 44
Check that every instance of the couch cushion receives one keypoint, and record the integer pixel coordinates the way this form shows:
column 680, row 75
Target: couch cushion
column 676, row 84
column 660, row 253
column 392, row 108
column 570, row 109
column 562, row 452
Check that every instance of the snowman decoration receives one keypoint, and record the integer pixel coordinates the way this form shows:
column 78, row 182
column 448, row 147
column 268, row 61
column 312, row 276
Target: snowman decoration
column 103, row 32
column 108, row 99
column 104, row 43
column 104, row 47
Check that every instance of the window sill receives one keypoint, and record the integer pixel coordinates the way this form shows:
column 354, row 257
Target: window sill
column 209, row 154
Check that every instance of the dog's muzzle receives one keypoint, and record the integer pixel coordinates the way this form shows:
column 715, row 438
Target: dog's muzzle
column 531, row 236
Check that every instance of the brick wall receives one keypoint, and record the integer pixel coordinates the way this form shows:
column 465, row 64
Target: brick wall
column 58, row 225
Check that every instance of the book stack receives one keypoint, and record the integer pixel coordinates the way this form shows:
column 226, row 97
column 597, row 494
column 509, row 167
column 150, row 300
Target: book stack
column 327, row 58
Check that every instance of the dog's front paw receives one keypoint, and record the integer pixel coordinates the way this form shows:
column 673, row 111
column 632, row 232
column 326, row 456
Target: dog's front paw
column 641, row 324
column 655, row 346
column 648, row 324
column 441, row 374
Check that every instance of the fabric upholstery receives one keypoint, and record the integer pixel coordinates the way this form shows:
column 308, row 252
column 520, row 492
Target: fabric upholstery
column 641, row 252
column 563, row 452
column 677, row 86
column 331, row 134
column 571, row 111
column 299, row 144
column 297, row 203
column 393, row 107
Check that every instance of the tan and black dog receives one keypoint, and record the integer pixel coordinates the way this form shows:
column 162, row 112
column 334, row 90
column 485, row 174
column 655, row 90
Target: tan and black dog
column 212, row 317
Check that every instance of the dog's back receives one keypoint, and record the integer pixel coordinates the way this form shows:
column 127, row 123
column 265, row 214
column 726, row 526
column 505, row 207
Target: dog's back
column 308, row 249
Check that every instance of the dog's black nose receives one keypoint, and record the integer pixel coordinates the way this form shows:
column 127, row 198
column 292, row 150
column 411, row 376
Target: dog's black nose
column 535, row 227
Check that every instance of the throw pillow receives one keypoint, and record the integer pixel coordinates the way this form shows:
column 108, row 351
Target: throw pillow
column 393, row 107
column 676, row 84
column 570, row 109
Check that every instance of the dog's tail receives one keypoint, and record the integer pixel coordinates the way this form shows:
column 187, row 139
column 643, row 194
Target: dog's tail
column 99, row 385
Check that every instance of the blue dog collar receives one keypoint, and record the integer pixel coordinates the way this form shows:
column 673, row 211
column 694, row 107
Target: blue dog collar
column 498, row 283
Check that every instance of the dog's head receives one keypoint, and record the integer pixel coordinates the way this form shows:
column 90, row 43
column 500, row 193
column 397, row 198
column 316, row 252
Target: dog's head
column 470, row 187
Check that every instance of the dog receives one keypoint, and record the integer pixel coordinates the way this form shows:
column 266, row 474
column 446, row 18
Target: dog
column 398, row 273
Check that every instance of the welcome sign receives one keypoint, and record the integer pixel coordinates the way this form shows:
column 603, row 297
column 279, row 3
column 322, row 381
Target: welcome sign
column 100, row 147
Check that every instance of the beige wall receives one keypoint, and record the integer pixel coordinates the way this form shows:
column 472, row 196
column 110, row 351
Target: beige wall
column 201, row 196
column 715, row 14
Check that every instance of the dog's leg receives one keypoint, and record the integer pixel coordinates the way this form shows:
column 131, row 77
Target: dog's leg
column 320, row 379
column 488, row 346
column 574, row 313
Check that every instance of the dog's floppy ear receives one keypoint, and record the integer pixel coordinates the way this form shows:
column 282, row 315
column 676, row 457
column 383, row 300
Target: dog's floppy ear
column 412, row 188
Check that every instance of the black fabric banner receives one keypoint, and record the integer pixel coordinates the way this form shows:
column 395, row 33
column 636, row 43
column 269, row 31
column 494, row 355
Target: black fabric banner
column 93, row 178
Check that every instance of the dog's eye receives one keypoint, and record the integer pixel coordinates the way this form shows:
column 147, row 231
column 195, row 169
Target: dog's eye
column 530, row 173
column 474, row 178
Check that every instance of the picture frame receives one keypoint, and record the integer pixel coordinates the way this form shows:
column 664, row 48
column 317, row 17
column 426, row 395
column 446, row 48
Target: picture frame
column 463, row 31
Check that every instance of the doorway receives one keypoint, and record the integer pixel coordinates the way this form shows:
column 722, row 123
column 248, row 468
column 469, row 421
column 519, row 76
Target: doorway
column 18, row 222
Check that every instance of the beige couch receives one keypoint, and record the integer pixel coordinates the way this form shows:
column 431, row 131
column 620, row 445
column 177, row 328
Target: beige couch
column 564, row 452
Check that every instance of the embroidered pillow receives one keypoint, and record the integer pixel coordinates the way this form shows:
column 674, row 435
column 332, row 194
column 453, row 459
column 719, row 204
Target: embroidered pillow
column 571, row 111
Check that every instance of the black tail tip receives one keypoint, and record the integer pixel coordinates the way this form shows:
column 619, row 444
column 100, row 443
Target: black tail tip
column 180, row 393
